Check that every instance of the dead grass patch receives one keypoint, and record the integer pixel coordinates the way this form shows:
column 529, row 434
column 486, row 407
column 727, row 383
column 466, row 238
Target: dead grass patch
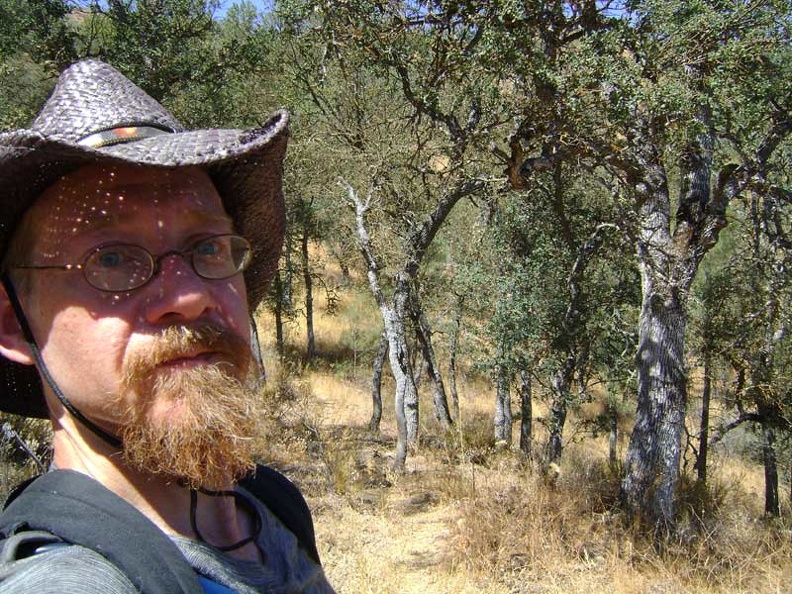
column 468, row 516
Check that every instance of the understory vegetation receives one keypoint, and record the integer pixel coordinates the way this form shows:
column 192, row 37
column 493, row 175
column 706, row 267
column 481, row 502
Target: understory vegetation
column 471, row 515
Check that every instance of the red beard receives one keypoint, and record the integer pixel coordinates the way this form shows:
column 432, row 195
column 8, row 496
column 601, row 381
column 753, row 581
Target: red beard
column 208, row 440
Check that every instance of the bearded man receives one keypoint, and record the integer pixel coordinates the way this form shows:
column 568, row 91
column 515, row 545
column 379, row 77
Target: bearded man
column 133, row 254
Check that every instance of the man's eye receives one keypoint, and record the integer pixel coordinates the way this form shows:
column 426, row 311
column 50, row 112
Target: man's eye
column 208, row 247
column 114, row 257
column 110, row 259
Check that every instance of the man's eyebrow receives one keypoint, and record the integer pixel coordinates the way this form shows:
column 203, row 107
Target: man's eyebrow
column 94, row 223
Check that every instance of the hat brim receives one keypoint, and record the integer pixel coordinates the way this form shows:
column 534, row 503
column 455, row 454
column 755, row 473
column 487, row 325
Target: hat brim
column 246, row 167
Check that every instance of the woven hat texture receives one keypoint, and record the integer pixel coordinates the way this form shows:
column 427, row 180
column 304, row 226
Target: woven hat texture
column 91, row 98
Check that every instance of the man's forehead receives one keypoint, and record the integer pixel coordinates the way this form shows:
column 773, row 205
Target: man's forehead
column 96, row 197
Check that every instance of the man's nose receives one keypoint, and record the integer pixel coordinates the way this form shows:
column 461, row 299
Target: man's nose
column 177, row 292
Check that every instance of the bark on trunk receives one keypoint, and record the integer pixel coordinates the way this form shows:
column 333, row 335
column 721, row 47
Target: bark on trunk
column 706, row 393
column 376, row 384
column 772, row 507
column 278, row 284
column 613, row 434
column 669, row 261
column 310, row 349
column 503, row 414
column 287, row 286
column 652, row 463
column 526, row 411
column 393, row 316
column 560, row 383
column 424, row 334
column 452, row 353
column 399, row 357
column 393, row 311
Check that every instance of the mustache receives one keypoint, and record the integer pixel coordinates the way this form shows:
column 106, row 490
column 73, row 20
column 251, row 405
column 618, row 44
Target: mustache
column 181, row 341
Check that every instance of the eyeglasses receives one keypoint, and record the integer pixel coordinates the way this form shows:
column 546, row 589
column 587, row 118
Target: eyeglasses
column 121, row 267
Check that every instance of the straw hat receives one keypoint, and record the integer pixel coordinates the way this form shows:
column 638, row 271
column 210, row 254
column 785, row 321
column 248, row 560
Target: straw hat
column 96, row 115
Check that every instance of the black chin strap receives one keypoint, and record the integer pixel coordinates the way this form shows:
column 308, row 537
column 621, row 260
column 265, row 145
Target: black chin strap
column 111, row 440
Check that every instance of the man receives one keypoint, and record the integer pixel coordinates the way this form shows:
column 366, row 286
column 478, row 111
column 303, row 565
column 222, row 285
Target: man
column 133, row 255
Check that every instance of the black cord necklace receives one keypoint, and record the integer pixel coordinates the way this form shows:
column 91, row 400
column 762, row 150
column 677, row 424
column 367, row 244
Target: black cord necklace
column 240, row 500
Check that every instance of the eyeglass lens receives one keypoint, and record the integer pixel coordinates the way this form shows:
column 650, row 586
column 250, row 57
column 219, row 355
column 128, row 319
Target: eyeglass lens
column 123, row 267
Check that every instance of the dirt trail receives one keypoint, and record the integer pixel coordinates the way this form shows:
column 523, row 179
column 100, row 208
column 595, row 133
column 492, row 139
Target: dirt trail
column 399, row 547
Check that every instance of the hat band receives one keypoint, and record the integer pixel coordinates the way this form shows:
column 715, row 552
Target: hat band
column 121, row 135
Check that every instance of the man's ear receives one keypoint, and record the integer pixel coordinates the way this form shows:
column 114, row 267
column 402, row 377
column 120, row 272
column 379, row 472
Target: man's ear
column 13, row 345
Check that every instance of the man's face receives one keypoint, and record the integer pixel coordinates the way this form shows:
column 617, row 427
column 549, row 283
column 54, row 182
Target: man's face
column 165, row 366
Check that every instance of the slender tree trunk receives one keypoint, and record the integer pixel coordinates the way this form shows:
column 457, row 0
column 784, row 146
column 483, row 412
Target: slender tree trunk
column 424, row 333
column 452, row 348
column 526, row 410
column 287, row 285
column 376, row 384
column 613, row 433
column 394, row 314
column 772, row 507
column 701, row 460
column 560, row 383
column 503, row 414
column 278, row 284
column 308, row 280
column 575, row 352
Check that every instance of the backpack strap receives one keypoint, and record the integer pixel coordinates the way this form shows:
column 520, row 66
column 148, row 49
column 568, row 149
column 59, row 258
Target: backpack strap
column 81, row 511
column 286, row 502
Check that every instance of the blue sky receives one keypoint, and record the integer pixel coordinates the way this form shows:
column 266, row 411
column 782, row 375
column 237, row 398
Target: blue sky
column 265, row 5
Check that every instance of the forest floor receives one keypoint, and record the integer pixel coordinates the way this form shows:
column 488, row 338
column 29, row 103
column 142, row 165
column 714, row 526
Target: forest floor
column 471, row 516
column 468, row 516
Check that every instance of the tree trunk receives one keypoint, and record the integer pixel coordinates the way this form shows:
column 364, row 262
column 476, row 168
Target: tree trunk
column 560, row 383
column 772, row 507
column 424, row 333
column 701, row 460
column 575, row 351
column 668, row 260
column 308, row 280
column 652, row 463
column 613, row 433
column 393, row 317
column 310, row 347
column 503, row 414
column 452, row 353
column 399, row 357
column 526, row 411
column 287, row 285
column 278, row 284
column 393, row 312
column 376, row 384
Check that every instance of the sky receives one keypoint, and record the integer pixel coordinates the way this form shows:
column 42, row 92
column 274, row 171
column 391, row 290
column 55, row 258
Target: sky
column 263, row 5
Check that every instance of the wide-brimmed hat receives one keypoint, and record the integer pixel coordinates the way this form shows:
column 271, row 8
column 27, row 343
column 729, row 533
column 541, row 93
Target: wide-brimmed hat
column 95, row 115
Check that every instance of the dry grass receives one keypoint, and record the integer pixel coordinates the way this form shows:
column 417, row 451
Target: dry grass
column 468, row 517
